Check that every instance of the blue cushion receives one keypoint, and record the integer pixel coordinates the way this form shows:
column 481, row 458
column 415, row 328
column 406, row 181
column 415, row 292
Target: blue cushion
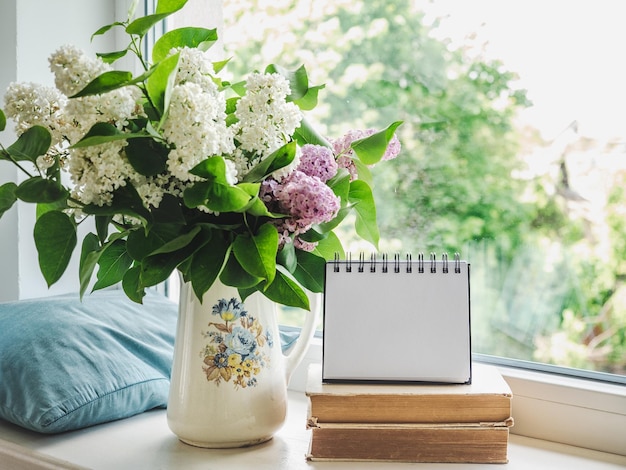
column 67, row 364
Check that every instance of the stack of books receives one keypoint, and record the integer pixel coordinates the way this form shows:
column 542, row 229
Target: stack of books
column 464, row 423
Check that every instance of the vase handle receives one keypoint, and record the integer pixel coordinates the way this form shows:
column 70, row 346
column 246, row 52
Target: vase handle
column 297, row 352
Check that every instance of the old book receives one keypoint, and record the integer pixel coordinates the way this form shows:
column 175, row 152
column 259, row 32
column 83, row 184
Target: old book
column 487, row 399
column 453, row 443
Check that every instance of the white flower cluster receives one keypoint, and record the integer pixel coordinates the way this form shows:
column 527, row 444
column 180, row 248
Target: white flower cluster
column 195, row 126
column 98, row 170
column 265, row 118
column 196, row 123
column 31, row 104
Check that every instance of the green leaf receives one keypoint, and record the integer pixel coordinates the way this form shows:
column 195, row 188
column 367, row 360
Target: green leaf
column 105, row 82
column 55, row 239
column 169, row 211
column 275, row 161
column 257, row 208
column 33, row 143
column 330, row 245
column 102, row 226
column 207, row 263
column 110, row 57
column 192, row 37
column 157, row 268
column 179, row 242
column 140, row 244
column 160, row 83
column 310, row 271
column 106, row 28
column 235, row 275
column 196, row 195
column 306, row 134
column 365, row 225
column 131, row 285
column 164, row 9
column 126, row 201
column 89, row 255
column 3, row 120
column 314, row 234
column 213, row 168
column 216, row 193
column 257, row 253
column 103, row 132
column 287, row 292
column 372, row 148
column 43, row 207
column 7, row 196
column 227, row 198
column 219, row 65
column 309, row 100
column 287, row 257
column 340, row 184
column 147, row 156
column 363, row 171
column 113, row 263
column 38, row 189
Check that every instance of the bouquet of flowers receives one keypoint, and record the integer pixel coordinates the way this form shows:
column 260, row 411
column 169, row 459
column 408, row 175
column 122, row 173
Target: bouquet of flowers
column 182, row 170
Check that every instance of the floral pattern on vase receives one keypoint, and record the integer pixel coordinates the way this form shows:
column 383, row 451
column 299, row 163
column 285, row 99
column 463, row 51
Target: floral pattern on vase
column 236, row 350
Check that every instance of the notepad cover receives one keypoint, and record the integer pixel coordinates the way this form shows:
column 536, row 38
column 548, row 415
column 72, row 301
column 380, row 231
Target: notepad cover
column 397, row 326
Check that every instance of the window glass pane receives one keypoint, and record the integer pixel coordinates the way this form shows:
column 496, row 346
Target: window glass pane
column 514, row 149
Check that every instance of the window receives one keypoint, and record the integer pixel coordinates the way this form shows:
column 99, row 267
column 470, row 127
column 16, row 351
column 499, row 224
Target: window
column 546, row 406
column 513, row 151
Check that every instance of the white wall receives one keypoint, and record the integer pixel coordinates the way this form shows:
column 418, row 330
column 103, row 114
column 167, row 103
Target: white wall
column 30, row 30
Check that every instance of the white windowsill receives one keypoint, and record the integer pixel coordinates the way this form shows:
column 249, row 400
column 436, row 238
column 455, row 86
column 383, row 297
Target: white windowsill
column 145, row 442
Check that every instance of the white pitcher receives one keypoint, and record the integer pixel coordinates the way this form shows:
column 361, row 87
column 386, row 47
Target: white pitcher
column 229, row 375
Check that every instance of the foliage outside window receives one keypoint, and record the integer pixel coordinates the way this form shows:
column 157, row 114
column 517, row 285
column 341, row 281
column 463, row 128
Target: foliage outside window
column 548, row 263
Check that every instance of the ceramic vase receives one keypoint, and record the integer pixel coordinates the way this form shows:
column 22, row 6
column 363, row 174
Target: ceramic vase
column 229, row 375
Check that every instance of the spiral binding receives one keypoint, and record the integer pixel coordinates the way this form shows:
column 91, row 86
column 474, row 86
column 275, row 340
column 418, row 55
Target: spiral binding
column 397, row 263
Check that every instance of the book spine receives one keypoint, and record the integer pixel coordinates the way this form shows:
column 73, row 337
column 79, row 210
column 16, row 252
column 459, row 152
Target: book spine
column 411, row 444
column 408, row 409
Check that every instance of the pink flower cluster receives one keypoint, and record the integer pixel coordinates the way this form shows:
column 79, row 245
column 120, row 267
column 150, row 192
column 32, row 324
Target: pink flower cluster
column 303, row 196
column 317, row 160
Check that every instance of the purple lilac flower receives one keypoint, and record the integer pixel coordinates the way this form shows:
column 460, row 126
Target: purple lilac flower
column 393, row 149
column 307, row 201
column 318, row 160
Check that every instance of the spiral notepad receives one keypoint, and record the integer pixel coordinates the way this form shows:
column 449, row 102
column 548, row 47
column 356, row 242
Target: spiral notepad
column 397, row 320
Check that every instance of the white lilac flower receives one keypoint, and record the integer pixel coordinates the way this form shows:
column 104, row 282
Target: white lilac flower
column 73, row 69
column 196, row 67
column 115, row 107
column 99, row 170
column 196, row 128
column 265, row 118
column 30, row 104
column 231, row 172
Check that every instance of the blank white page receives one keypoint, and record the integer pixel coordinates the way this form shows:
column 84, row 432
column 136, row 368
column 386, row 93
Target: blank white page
column 397, row 326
